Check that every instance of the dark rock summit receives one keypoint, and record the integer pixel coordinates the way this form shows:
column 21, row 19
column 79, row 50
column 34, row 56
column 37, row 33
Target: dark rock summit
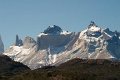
column 53, row 30
column 1, row 46
column 18, row 41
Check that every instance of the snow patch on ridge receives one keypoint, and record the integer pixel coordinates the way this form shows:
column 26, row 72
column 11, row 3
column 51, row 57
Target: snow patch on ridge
column 17, row 51
column 61, row 33
column 42, row 34
column 94, row 28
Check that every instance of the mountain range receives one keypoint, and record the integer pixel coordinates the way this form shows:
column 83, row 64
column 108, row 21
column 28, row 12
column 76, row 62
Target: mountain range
column 54, row 46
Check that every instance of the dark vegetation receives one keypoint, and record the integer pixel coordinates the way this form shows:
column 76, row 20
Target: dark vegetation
column 76, row 69
column 9, row 68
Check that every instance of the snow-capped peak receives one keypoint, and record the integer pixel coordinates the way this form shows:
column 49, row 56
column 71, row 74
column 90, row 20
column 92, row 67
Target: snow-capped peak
column 92, row 31
column 54, row 30
column 55, row 46
column 93, row 27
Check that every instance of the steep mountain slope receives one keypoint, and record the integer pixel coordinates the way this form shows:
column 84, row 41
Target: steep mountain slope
column 55, row 46
column 92, row 43
column 43, row 51
column 1, row 46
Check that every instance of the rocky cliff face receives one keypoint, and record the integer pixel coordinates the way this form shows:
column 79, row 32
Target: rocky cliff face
column 18, row 41
column 55, row 46
column 1, row 46
column 29, row 42
column 44, row 41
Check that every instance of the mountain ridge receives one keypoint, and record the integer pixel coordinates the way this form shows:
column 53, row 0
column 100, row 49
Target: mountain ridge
column 55, row 46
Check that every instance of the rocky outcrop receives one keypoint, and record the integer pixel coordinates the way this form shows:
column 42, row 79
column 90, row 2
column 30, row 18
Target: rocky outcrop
column 18, row 41
column 53, row 30
column 1, row 46
column 29, row 42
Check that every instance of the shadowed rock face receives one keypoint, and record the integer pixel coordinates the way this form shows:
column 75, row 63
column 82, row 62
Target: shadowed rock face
column 18, row 41
column 114, row 46
column 53, row 40
column 29, row 42
column 54, row 36
column 1, row 46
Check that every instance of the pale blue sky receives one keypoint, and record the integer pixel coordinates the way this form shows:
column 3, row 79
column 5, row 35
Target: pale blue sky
column 30, row 17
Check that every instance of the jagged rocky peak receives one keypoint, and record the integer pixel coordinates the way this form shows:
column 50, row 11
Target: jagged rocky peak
column 18, row 41
column 29, row 42
column 93, row 30
column 93, row 27
column 53, row 30
column 107, row 30
column 1, row 46
column 92, row 23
